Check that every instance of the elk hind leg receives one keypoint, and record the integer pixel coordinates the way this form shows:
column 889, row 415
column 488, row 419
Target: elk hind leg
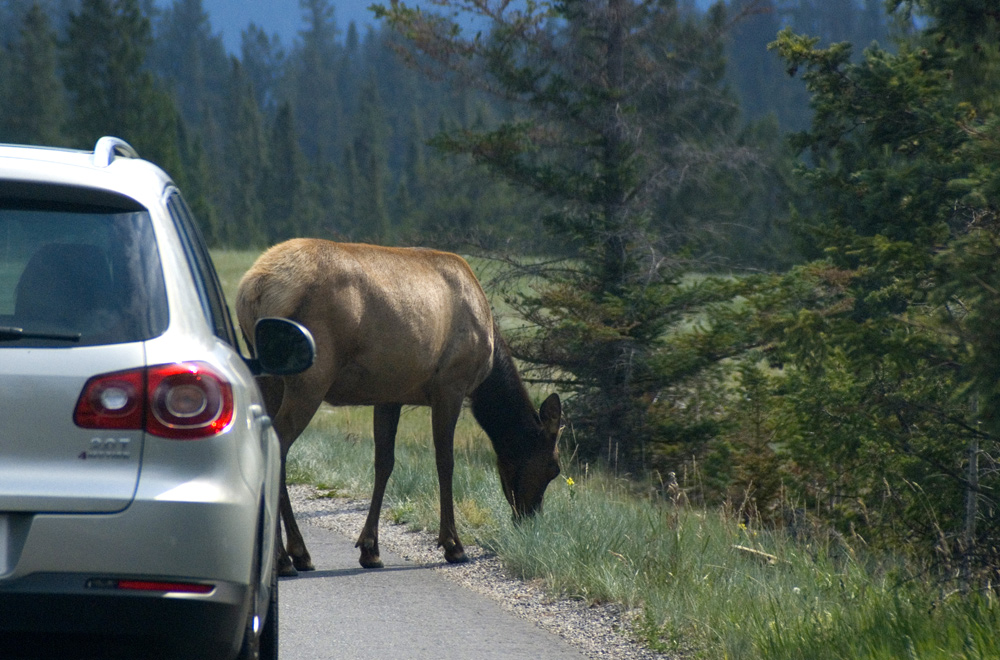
column 385, row 423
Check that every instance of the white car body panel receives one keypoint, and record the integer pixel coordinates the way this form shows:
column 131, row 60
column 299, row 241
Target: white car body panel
column 81, row 509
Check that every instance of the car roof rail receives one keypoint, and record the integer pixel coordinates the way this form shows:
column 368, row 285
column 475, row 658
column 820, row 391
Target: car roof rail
column 107, row 148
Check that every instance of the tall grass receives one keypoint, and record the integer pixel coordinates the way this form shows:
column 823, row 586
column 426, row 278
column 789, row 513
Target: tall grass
column 695, row 581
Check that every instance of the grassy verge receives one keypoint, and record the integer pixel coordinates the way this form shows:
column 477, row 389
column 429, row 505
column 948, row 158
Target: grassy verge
column 697, row 582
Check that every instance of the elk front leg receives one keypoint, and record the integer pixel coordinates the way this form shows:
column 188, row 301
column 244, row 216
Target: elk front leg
column 444, row 416
column 296, row 557
column 295, row 410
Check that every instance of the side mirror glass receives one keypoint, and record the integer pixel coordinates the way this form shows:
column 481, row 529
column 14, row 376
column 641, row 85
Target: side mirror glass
column 284, row 347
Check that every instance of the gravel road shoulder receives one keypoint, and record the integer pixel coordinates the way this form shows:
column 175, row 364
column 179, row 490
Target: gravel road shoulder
column 599, row 631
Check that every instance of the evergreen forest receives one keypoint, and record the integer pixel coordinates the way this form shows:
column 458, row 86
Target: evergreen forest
column 755, row 245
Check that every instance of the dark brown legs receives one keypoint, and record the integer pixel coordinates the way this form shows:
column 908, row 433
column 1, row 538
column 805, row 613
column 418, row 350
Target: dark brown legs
column 444, row 416
column 386, row 422
column 443, row 419
column 295, row 410
column 293, row 556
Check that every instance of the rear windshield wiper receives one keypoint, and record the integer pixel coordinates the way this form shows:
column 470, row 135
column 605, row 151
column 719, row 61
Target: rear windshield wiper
column 8, row 333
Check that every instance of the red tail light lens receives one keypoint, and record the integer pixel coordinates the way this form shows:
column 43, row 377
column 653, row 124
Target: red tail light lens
column 183, row 401
column 114, row 401
column 188, row 401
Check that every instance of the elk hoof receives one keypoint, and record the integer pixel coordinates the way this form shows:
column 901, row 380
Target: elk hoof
column 454, row 553
column 456, row 557
column 285, row 568
column 369, row 553
column 303, row 563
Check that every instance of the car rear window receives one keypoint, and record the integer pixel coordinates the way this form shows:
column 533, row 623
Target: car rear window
column 78, row 273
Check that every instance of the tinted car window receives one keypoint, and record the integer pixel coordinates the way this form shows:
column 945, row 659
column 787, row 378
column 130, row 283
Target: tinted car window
column 86, row 269
column 213, row 300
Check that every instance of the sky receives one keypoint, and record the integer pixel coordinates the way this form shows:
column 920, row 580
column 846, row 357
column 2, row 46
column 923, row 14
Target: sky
column 284, row 17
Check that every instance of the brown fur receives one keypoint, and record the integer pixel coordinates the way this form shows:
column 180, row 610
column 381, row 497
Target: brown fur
column 394, row 327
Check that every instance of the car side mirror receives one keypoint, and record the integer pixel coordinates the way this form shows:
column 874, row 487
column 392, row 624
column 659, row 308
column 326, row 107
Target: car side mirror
column 284, row 347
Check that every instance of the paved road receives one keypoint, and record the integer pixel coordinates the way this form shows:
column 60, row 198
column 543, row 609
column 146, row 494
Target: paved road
column 401, row 612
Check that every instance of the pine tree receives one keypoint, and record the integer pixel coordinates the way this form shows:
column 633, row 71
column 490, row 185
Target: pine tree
column 263, row 59
column 243, row 220
column 313, row 83
column 287, row 208
column 371, row 157
column 201, row 187
column 350, row 199
column 35, row 110
column 350, row 74
column 103, row 62
column 893, row 371
column 612, row 98
column 758, row 74
column 188, row 58
column 110, row 89
column 415, row 164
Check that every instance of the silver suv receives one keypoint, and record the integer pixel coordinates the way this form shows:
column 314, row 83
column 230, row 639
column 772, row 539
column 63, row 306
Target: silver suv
column 138, row 470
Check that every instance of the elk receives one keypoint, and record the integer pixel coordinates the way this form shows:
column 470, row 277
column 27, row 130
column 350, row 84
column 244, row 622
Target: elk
column 395, row 327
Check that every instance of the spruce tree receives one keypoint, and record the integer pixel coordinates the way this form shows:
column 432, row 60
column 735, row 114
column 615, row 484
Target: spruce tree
column 287, row 209
column 243, row 222
column 192, row 61
column 893, row 405
column 263, row 59
column 313, row 82
column 35, row 109
column 371, row 157
column 348, row 209
column 110, row 89
column 103, row 62
column 611, row 103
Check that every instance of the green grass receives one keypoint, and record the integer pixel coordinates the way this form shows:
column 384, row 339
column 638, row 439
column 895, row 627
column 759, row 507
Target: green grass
column 684, row 573
column 230, row 265
column 337, row 452
column 676, row 568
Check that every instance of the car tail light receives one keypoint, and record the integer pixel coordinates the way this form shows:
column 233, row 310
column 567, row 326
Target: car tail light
column 113, row 401
column 188, row 401
column 183, row 401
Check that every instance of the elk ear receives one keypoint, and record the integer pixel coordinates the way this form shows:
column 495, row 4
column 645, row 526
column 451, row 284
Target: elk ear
column 551, row 415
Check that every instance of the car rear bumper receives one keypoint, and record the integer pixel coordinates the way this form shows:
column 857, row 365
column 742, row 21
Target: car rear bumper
column 68, row 616
column 60, row 596
column 203, row 540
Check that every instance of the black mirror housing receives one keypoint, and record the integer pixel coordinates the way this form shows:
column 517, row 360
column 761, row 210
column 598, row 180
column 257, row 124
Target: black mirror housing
column 283, row 347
